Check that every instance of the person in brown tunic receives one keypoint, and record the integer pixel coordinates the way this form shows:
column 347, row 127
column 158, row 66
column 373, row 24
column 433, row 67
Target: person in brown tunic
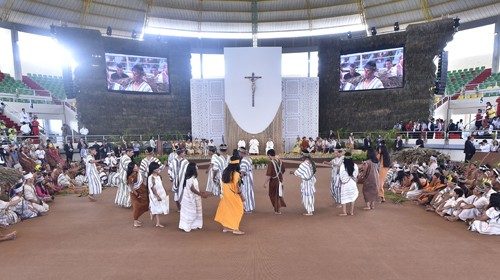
column 370, row 179
column 138, row 192
column 274, row 173
column 26, row 161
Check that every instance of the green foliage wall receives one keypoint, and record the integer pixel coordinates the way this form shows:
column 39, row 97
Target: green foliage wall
column 381, row 109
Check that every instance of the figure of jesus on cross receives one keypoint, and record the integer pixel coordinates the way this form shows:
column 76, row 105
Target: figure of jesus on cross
column 253, row 79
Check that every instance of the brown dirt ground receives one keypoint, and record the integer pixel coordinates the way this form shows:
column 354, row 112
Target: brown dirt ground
column 83, row 240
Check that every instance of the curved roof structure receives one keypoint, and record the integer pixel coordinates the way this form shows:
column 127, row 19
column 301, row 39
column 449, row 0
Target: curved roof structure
column 231, row 17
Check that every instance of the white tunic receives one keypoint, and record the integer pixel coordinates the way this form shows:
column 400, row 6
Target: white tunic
column 214, row 179
column 269, row 146
column 93, row 177
column 247, row 185
column 480, row 203
column 374, row 84
column 348, row 187
column 242, row 143
column 254, row 146
column 307, row 188
column 144, row 167
column 179, row 172
column 492, row 226
column 157, row 207
column 191, row 216
column 30, row 195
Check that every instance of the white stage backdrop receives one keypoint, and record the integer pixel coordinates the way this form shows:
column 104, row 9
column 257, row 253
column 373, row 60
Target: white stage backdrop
column 241, row 63
column 300, row 109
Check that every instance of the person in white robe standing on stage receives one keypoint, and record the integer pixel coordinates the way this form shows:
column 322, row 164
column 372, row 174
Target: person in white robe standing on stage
column 93, row 177
column 242, row 143
column 254, row 146
column 348, row 186
column 306, row 172
column 179, row 166
column 269, row 145
column 336, row 162
column 247, row 183
column 158, row 198
column 122, row 198
column 191, row 216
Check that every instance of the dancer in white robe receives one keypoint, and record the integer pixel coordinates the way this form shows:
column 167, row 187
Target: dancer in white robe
column 306, row 172
column 489, row 222
column 191, row 216
column 247, row 185
column 179, row 166
column 158, row 198
column 348, row 186
column 93, row 176
column 269, row 145
column 123, row 193
column 336, row 162
column 253, row 146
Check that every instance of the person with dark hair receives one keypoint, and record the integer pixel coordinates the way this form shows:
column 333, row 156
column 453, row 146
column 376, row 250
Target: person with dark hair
column 217, row 164
column 369, row 179
column 419, row 182
column 306, row 172
column 93, row 178
column 348, row 180
column 179, row 167
column 274, row 173
column 138, row 192
column 336, row 162
column 369, row 80
column 138, row 82
column 352, row 72
column 119, row 74
column 122, row 198
column 158, row 198
column 473, row 206
column 147, row 160
column 191, row 216
column 437, row 183
column 489, row 222
column 247, row 182
column 469, row 148
column 385, row 164
column 230, row 209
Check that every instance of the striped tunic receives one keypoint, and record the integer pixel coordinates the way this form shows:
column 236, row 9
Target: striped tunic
column 123, row 193
column 93, row 177
column 305, row 172
column 335, row 183
column 247, row 184
column 144, row 167
column 179, row 166
column 218, row 163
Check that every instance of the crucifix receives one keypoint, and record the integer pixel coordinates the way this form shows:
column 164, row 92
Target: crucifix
column 253, row 79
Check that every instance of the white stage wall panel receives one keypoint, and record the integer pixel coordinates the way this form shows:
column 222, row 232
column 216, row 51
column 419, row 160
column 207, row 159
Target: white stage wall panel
column 300, row 97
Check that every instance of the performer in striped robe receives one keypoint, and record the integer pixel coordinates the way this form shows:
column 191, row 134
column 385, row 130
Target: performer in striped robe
column 306, row 172
column 247, row 181
column 123, row 193
column 179, row 166
column 336, row 162
column 93, row 176
column 218, row 163
column 145, row 162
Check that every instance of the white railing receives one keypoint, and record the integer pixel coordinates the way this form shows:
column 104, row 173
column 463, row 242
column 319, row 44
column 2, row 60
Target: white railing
column 21, row 98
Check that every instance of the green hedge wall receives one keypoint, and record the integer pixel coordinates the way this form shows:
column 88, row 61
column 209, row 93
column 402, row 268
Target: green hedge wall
column 381, row 109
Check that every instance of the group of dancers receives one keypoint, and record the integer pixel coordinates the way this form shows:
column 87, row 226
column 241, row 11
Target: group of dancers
column 230, row 177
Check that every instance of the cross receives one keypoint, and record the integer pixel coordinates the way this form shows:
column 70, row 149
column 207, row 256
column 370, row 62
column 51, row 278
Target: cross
column 253, row 79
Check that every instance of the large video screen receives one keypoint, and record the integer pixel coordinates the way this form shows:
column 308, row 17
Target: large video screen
column 372, row 70
column 133, row 73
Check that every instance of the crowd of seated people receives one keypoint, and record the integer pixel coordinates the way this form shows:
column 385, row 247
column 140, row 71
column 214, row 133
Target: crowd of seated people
column 458, row 192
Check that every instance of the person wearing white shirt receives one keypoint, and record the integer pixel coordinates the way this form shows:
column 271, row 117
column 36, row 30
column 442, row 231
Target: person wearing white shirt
column 269, row 145
column 254, row 146
column 484, row 146
column 242, row 144
column 24, row 117
column 370, row 81
column 25, row 128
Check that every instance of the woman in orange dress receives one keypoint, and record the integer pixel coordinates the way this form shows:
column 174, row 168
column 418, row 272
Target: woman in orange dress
column 230, row 209
column 385, row 164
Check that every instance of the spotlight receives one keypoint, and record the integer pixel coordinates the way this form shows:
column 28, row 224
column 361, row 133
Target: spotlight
column 396, row 26
column 349, row 35
column 109, row 31
column 134, row 34
column 374, row 31
column 456, row 22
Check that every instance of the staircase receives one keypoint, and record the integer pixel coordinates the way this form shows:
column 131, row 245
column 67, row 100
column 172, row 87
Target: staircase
column 39, row 91
column 478, row 79
column 8, row 122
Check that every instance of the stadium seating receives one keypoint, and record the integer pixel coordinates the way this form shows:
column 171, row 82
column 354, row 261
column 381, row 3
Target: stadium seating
column 10, row 85
column 457, row 79
column 492, row 82
column 52, row 83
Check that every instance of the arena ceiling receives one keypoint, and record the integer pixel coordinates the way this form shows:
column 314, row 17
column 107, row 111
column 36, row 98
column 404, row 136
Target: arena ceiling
column 192, row 17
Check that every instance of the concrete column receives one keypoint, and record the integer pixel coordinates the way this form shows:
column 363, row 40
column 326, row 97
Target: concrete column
column 496, row 48
column 18, row 73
